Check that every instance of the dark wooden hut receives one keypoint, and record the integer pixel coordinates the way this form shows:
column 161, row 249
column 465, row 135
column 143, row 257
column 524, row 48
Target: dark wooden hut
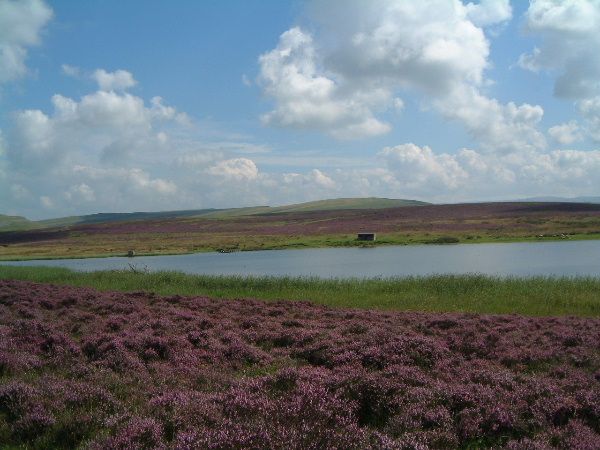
column 366, row 236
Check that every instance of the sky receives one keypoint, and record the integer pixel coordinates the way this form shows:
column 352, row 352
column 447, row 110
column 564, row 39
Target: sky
column 151, row 105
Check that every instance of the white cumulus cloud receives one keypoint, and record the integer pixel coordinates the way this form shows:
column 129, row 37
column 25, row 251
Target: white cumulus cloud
column 431, row 44
column 21, row 23
column 590, row 109
column 489, row 12
column 566, row 133
column 80, row 192
column 305, row 98
column 237, row 168
column 468, row 174
column 107, row 124
column 570, row 37
column 114, row 81
column 340, row 77
column 414, row 165
column 315, row 179
column 70, row 71
column 496, row 126
column 100, row 149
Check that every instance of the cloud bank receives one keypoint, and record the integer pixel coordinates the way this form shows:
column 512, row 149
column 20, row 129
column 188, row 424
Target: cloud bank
column 111, row 150
column 344, row 73
column 570, row 38
column 364, row 55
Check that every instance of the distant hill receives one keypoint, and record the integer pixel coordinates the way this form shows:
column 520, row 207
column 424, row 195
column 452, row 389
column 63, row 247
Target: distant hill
column 11, row 223
column 319, row 205
column 345, row 203
column 122, row 217
column 562, row 199
column 16, row 223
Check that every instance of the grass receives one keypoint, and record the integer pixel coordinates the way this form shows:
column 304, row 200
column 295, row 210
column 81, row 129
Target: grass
column 538, row 296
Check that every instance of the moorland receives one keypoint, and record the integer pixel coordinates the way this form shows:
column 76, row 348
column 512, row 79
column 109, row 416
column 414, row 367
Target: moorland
column 316, row 224
column 131, row 359
column 81, row 368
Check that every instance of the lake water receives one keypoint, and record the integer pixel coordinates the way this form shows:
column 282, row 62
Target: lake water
column 507, row 259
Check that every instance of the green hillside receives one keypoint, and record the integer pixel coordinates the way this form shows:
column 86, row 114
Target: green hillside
column 345, row 203
column 319, row 205
column 11, row 223
column 122, row 217
column 18, row 223
column 15, row 223
column 236, row 212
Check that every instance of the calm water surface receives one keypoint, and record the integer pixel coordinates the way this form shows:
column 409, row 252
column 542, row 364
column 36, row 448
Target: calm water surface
column 516, row 259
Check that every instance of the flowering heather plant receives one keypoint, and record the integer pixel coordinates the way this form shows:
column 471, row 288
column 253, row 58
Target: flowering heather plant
column 89, row 369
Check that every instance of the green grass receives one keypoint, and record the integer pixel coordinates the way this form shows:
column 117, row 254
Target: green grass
column 537, row 296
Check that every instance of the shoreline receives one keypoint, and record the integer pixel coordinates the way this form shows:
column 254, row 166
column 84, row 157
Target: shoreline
column 383, row 242
column 477, row 294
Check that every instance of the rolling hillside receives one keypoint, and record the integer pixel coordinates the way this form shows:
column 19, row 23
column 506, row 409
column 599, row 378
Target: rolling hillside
column 319, row 205
column 121, row 217
column 15, row 223
column 563, row 199
column 345, row 203
column 264, row 228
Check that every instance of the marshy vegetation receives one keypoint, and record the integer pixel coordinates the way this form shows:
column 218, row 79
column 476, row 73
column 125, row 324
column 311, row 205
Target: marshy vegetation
column 537, row 296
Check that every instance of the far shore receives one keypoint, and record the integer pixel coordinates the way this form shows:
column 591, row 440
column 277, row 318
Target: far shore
column 58, row 252
column 407, row 225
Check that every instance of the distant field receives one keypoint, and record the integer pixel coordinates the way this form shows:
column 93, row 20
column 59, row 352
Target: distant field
column 276, row 228
column 474, row 294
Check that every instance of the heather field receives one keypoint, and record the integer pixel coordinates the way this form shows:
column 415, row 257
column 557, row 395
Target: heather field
column 90, row 369
column 477, row 222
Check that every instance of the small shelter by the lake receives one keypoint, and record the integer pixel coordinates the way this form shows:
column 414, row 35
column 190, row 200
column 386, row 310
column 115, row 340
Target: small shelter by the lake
column 366, row 236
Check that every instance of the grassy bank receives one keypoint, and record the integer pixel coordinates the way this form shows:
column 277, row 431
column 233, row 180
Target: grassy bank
column 102, row 246
column 472, row 293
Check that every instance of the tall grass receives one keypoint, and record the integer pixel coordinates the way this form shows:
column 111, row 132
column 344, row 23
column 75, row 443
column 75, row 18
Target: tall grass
column 538, row 296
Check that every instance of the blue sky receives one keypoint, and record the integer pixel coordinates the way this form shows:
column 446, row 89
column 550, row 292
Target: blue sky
column 154, row 105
